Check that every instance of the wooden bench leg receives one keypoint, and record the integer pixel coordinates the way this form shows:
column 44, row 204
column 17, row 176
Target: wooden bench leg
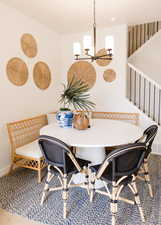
column 12, row 167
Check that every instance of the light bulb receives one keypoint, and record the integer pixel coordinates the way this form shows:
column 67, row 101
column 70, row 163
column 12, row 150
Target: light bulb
column 87, row 42
column 76, row 48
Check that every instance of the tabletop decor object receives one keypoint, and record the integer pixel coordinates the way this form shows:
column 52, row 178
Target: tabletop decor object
column 29, row 45
column 65, row 117
column 42, row 75
column 81, row 121
column 75, row 95
column 17, row 71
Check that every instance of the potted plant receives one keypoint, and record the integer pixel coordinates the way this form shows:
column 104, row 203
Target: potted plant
column 75, row 95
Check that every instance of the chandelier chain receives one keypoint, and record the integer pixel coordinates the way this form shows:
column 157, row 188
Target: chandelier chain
column 94, row 12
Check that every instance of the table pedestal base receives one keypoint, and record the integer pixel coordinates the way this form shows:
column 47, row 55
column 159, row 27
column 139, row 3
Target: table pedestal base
column 96, row 156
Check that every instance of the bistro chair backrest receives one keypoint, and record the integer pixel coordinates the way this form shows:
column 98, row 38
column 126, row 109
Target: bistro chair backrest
column 124, row 161
column 148, row 138
column 150, row 134
column 57, row 153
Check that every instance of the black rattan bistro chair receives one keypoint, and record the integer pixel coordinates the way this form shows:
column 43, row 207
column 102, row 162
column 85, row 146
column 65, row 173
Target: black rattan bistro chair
column 120, row 169
column 147, row 138
column 60, row 159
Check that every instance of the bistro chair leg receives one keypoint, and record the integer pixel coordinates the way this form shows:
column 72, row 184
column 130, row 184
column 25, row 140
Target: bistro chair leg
column 39, row 176
column 147, row 178
column 46, row 187
column 137, row 198
column 114, row 203
column 65, row 196
column 87, row 183
column 87, row 179
column 92, row 191
column 92, row 184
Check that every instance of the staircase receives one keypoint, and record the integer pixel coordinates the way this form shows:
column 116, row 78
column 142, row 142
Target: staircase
column 143, row 91
column 140, row 34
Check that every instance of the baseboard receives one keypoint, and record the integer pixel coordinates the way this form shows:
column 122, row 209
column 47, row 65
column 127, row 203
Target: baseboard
column 4, row 170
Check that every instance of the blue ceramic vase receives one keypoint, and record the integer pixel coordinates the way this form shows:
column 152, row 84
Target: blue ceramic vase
column 65, row 118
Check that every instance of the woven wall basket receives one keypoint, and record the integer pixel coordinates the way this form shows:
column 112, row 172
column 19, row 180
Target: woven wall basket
column 17, row 71
column 109, row 75
column 83, row 71
column 29, row 45
column 102, row 62
column 42, row 75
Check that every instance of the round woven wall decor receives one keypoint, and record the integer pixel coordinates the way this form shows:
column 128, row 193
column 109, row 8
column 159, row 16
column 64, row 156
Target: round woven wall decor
column 109, row 75
column 17, row 71
column 29, row 45
column 42, row 75
column 102, row 62
column 83, row 71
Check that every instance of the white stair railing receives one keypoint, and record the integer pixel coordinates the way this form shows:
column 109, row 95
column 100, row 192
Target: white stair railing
column 144, row 92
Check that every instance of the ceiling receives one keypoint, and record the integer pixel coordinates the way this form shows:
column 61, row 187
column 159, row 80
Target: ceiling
column 69, row 16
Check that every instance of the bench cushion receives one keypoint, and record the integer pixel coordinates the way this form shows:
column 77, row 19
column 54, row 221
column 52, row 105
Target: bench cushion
column 30, row 150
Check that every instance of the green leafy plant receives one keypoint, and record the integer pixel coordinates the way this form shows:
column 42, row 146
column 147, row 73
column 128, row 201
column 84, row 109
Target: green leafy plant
column 76, row 94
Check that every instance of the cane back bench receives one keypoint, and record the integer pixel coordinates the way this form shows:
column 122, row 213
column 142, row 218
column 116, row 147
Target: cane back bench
column 124, row 116
column 23, row 137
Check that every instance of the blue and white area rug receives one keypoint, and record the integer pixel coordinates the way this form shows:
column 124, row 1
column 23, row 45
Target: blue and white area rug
column 20, row 194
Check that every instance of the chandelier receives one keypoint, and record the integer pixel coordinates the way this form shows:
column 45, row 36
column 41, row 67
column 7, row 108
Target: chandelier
column 89, row 52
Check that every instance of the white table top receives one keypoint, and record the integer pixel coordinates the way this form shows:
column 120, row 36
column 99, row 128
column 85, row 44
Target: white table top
column 103, row 132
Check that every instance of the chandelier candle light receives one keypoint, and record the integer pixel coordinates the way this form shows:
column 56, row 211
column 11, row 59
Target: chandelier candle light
column 90, row 53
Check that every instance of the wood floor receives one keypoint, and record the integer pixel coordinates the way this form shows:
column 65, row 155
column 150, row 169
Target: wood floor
column 9, row 219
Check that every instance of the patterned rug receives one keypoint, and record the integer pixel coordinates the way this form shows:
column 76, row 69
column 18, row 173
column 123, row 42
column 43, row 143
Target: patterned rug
column 20, row 194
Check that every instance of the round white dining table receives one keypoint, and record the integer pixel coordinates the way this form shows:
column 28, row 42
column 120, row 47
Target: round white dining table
column 90, row 143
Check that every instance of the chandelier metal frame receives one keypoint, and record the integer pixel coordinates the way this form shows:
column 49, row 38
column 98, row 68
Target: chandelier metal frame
column 94, row 57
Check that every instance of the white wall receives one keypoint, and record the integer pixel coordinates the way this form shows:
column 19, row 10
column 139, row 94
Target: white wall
column 21, row 102
column 148, row 58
